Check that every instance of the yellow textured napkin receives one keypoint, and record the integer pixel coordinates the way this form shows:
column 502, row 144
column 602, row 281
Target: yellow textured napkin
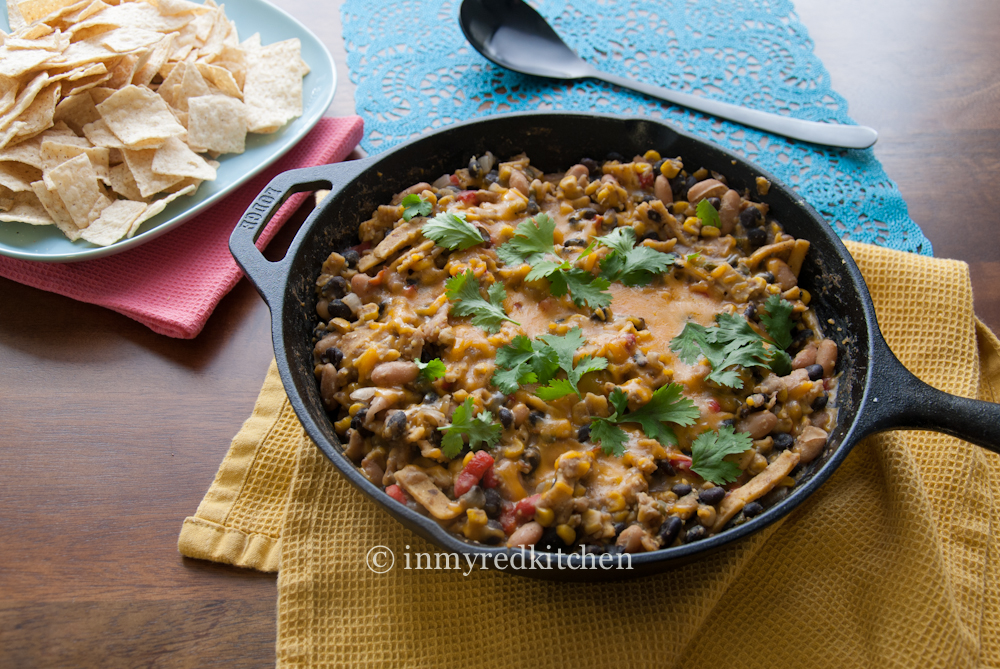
column 893, row 562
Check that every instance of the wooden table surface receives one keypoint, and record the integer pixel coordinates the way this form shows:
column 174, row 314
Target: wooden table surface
column 111, row 434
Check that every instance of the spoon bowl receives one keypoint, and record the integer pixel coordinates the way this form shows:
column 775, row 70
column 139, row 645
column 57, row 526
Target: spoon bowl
column 514, row 36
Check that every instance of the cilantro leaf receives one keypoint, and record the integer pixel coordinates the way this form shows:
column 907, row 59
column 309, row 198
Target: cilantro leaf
column 544, row 269
column 611, row 437
column 585, row 288
column 463, row 291
column 708, row 214
column 531, row 241
column 525, row 361
column 709, row 449
column 632, row 265
column 432, row 369
column 513, row 363
column 452, row 231
column 667, row 405
column 414, row 205
column 777, row 320
column 480, row 429
column 555, row 389
column 731, row 343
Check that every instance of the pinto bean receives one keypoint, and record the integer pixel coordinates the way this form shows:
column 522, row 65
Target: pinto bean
column 706, row 189
column 758, row 424
column 519, row 182
column 662, row 190
column 783, row 276
column 394, row 374
column 810, row 443
column 355, row 446
column 415, row 189
column 579, row 171
column 729, row 213
column 527, row 535
column 360, row 283
column 803, row 358
column 826, row 355
column 521, row 413
column 631, row 539
column 328, row 385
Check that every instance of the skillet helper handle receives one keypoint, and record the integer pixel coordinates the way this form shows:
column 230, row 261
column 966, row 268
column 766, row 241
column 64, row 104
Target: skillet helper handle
column 265, row 275
column 898, row 400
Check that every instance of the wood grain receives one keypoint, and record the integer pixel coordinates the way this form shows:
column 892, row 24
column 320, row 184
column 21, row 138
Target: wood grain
column 111, row 433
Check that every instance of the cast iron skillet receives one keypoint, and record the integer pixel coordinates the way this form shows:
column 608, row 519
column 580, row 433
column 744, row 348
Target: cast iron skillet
column 876, row 392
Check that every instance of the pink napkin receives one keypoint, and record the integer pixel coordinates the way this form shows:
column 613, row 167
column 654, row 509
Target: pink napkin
column 173, row 283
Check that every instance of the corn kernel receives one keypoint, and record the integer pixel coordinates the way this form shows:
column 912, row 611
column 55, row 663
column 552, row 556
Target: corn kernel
column 680, row 207
column 616, row 502
column 566, row 533
column 710, row 231
column 620, row 516
column 355, row 408
column 579, row 490
column 787, row 482
column 805, row 297
column 341, row 326
column 692, row 225
column 544, row 516
column 671, row 167
column 651, row 156
column 460, row 395
column 341, row 425
column 468, row 457
column 514, row 452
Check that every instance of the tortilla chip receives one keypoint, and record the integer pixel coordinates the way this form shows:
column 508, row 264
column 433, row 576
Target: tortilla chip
column 175, row 158
column 114, row 222
column 8, row 92
column 76, row 183
column 55, row 209
column 156, row 58
column 140, row 162
column 33, row 10
column 123, row 183
column 39, row 114
column 125, row 40
column 14, row 16
column 121, row 74
column 55, row 153
column 137, row 15
column 77, row 111
column 100, row 135
column 217, row 123
column 176, row 7
column 221, row 78
column 27, row 152
column 171, row 81
column 100, row 94
column 139, row 117
column 156, row 207
column 26, row 209
column 192, row 86
column 273, row 91
column 18, row 176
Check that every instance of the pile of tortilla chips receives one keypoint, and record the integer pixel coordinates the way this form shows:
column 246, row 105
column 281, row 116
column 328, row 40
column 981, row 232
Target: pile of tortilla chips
column 105, row 106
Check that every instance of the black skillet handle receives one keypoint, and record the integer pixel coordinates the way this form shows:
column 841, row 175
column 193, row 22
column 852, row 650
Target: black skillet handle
column 267, row 276
column 898, row 400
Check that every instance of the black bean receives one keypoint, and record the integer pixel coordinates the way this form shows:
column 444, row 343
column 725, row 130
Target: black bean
column 532, row 458
column 575, row 241
column 689, row 183
column 497, row 534
column 750, row 311
column 610, row 218
column 506, row 417
column 815, row 372
column 491, row 178
column 430, row 398
column 496, row 401
column 591, row 166
column 820, row 402
column 640, row 359
column 678, row 186
column 652, row 234
column 474, row 498
column 696, row 533
column 783, row 441
column 486, row 236
column 775, row 496
column 357, row 422
column 619, row 528
column 536, row 417
column 757, row 237
column 653, row 215
column 729, row 422
column 320, row 331
column 712, row 496
column 681, row 489
column 614, row 155
column 767, row 276
column 351, row 257
column 669, row 530
column 614, row 550
column 583, row 434
column 493, row 503
column 715, row 202
column 335, row 286
column 332, row 355
column 658, row 166
column 752, row 509
column 594, row 549
column 801, row 336
column 751, row 218
column 532, row 206
column 395, row 424
column 551, row 541
column 588, row 213
column 664, row 467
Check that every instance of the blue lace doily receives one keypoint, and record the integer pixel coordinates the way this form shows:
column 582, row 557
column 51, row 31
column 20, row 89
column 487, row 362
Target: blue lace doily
column 415, row 72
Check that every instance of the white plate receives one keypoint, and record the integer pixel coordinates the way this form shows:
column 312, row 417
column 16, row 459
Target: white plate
column 47, row 244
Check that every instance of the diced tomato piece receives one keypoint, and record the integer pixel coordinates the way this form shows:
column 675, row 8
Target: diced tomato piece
column 508, row 521
column 472, row 472
column 714, row 406
column 396, row 493
column 524, row 510
column 646, row 179
column 454, row 180
column 679, row 460
column 630, row 340
column 467, row 196
column 490, row 478
column 362, row 247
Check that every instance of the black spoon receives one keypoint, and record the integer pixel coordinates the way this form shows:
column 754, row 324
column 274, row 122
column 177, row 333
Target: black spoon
column 513, row 35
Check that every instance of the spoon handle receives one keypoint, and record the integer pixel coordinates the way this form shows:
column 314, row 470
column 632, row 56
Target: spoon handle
column 828, row 134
